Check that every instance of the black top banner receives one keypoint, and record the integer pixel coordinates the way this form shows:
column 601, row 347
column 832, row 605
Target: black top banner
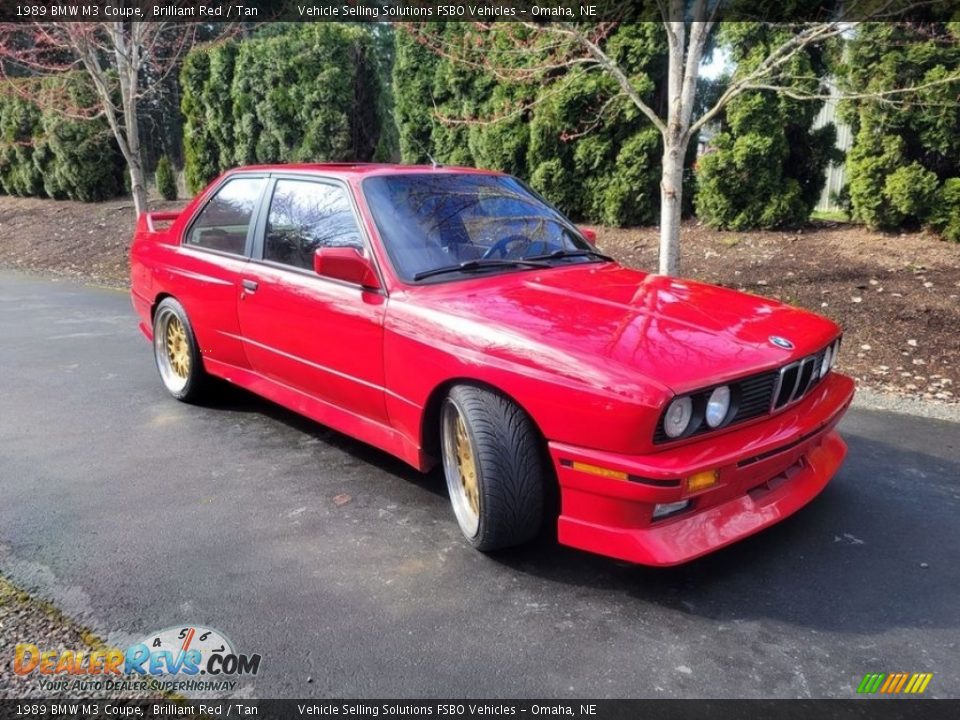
column 861, row 709
column 459, row 10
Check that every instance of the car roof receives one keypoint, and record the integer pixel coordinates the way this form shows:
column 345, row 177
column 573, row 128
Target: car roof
column 359, row 169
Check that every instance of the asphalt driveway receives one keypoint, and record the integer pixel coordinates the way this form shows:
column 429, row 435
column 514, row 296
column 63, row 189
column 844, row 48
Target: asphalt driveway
column 134, row 512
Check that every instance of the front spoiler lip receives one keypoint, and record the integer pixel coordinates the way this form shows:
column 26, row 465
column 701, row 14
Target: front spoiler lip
column 613, row 516
column 698, row 533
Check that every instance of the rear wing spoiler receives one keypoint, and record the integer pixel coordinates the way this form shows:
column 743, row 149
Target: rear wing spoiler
column 151, row 220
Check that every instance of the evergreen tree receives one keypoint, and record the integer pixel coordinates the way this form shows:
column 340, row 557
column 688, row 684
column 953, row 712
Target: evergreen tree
column 904, row 167
column 165, row 179
column 766, row 167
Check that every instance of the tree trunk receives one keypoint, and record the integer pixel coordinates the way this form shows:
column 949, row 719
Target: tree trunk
column 138, row 185
column 128, row 46
column 128, row 52
column 671, row 171
column 671, row 205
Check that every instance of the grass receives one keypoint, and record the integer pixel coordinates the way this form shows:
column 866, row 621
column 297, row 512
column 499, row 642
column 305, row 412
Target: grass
column 830, row 216
column 11, row 595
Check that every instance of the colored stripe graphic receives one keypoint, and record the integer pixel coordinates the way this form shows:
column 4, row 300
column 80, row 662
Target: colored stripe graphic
column 871, row 682
column 894, row 683
column 902, row 681
column 922, row 684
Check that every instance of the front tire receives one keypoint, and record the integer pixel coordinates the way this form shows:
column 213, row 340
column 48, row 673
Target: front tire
column 176, row 352
column 493, row 465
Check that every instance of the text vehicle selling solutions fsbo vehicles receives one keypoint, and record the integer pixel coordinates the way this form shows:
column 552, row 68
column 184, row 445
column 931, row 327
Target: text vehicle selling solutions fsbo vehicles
column 453, row 316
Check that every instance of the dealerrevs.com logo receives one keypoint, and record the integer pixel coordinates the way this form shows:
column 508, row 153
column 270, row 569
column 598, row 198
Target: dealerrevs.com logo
column 177, row 657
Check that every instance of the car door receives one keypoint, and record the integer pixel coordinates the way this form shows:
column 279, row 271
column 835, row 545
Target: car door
column 321, row 336
column 206, row 274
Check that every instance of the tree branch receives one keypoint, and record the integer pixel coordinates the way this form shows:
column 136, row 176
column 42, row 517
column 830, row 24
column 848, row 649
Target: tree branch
column 878, row 95
column 777, row 58
column 622, row 80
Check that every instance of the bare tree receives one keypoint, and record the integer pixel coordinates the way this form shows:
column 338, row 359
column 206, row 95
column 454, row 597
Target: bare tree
column 565, row 46
column 117, row 57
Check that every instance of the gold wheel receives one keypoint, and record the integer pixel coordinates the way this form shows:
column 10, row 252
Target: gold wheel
column 493, row 462
column 467, row 466
column 173, row 347
column 178, row 351
column 462, row 469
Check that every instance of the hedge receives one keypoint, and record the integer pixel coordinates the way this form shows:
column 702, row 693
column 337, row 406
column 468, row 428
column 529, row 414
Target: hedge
column 46, row 153
column 301, row 94
column 766, row 167
column 904, row 166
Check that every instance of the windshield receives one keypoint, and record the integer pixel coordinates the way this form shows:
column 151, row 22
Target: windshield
column 434, row 224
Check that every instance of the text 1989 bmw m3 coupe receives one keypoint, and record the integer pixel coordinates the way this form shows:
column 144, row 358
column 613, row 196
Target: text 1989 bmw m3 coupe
column 449, row 315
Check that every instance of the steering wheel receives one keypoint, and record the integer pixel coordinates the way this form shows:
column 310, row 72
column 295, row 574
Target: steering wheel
column 500, row 248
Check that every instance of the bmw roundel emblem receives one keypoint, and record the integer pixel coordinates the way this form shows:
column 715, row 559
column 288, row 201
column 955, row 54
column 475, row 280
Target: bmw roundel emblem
column 781, row 342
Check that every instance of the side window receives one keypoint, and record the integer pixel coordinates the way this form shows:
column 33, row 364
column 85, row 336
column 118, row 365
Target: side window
column 223, row 223
column 305, row 216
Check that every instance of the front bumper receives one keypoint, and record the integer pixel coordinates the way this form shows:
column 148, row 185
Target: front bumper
column 767, row 471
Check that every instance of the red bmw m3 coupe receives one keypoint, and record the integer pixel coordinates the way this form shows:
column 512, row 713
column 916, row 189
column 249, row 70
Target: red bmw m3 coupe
column 453, row 316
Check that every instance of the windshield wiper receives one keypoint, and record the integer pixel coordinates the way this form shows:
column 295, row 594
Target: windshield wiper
column 480, row 264
column 556, row 254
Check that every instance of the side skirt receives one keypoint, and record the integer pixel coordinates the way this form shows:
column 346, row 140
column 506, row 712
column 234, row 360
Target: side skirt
column 373, row 433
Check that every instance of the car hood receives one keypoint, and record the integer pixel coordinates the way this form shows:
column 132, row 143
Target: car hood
column 588, row 318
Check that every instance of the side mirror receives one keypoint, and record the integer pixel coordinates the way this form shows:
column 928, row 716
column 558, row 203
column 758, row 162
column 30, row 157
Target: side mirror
column 346, row 263
column 589, row 234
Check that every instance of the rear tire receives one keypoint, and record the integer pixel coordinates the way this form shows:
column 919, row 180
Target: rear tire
column 176, row 352
column 493, row 465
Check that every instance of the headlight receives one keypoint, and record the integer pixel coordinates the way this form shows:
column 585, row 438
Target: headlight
column 678, row 416
column 827, row 361
column 717, row 406
column 836, row 351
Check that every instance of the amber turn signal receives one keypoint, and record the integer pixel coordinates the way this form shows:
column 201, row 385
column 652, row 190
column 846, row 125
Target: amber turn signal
column 702, row 480
column 601, row 471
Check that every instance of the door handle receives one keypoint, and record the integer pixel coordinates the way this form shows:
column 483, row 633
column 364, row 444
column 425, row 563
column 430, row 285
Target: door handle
column 250, row 285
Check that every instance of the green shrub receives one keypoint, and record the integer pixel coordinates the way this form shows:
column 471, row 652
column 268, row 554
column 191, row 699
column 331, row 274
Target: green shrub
column 414, row 68
column 905, row 160
column 45, row 152
column 767, row 166
column 218, row 108
column 631, row 196
column 869, row 162
column 306, row 93
column 200, row 152
column 84, row 162
column 165, row 180
column 19, row 124
column 911, row 190
column 945, row 217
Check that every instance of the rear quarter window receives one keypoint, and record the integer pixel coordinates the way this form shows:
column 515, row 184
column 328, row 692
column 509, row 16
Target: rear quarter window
column 224, row 222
